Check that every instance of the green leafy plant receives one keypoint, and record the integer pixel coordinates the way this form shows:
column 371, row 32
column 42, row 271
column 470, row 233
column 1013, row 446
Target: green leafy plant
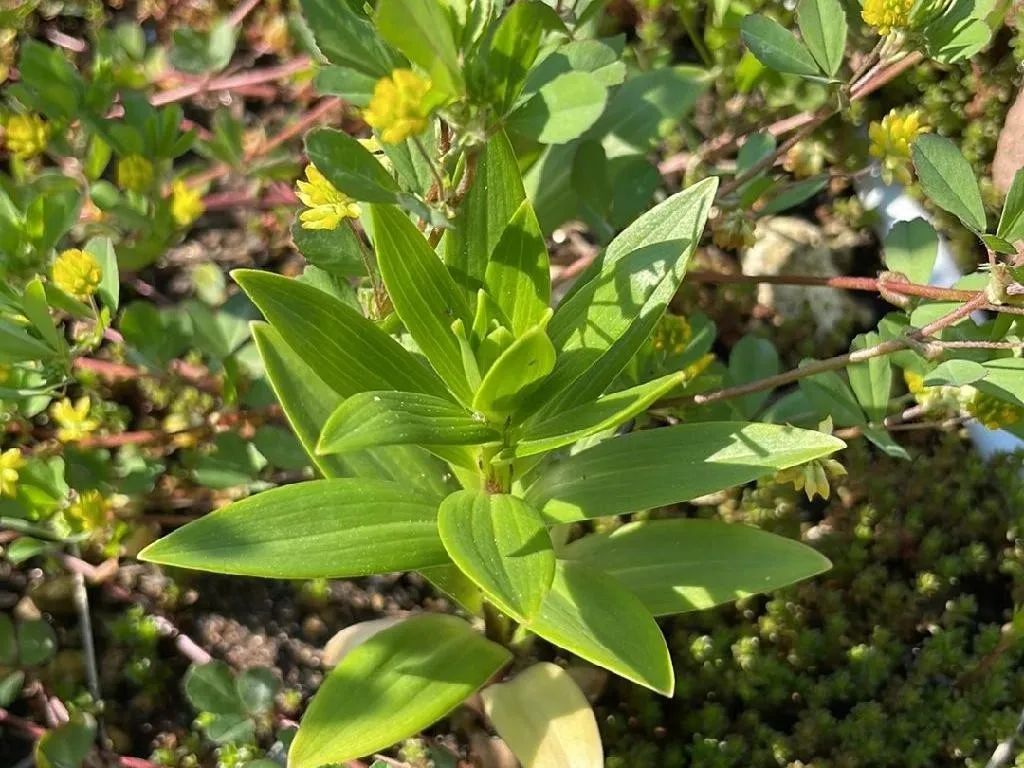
column 478, row 411
column 494, row 404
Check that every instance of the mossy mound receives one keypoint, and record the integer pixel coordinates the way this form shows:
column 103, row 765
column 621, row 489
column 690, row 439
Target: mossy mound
column 902, row 655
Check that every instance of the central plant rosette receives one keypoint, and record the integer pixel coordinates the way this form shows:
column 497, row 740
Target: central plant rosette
column 457, row 447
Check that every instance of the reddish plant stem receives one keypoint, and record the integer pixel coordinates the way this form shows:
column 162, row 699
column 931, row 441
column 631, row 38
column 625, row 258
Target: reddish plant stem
column 275, row 198
column 315, row 115
column 832, row 363
column 769, row 161
column 220, row 423
column 63, row 40
column 727, row 142
column 193, row 374
column 230, row 82
column 870, row 284
column 244, row 9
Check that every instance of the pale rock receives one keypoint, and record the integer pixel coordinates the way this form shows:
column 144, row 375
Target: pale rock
column 790, row 246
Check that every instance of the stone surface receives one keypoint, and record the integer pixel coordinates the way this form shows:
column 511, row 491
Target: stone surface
column 1009, row 156
column 790, row 246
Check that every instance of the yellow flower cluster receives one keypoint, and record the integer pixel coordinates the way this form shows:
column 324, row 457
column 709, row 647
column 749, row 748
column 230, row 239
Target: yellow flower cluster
column 887, row 15
column 89, row 512
column 77, row 273
column 134, row 173
column 672, row 336
column 73, row 419
column 992, row 412
column 26, row 136
column 891, row 140
column 11, row 461
column 399, row 107
column 805, row 158
column 186, row 204
column 327, row 205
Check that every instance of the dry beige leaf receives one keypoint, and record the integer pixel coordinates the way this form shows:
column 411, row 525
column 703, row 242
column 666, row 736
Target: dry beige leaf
column 350, row 637
column 545, row 719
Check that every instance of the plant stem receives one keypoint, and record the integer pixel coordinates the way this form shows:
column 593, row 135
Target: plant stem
column 315, row 115
column 434, row 170
column 869, row 284
column 727, row 142
column 769, row 161
column 832, row 363
column 380, row 293
column 92, row 676
column 229, row 82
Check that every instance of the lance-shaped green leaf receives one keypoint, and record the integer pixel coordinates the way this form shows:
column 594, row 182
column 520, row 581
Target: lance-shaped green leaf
column 392, row 686
column 501, row 544
column 752, row 358
column 350, row 166
column 350, row 353
column 605, row 412
column 871, row 379
column 423, row 293
column 517, row 372
column 110, row 287
column 955, row 373
column 545, row 719
column 948, row 179
column 345, row 37
column 374, row 419
column 1004, row 379
column 663, row 466
column 1011, row 221
column 590, row 614
column 823, row 26
column 308, row 402
column 959, row 31
column 635, row 279
column 833, row 397
column 513, row 50
column 16, row 345
column 561, row 110
column 518, row 276
column 776, row 47
column 679, row 565
column 319, row 529
column 421, row 30
column 33, row 304
column 911, row 248
column 493, row 199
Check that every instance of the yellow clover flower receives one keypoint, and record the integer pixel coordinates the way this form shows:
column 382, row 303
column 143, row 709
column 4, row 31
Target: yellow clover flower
column 77, row 273
column 327, row 204
column 992, row 412
column 887, row 15
column 73, row 419
column 186, row 204
column 399, row 107
column 891, row 140
column 134, row 173
column 11, row 461
column 26, row 136
column 89, row 512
